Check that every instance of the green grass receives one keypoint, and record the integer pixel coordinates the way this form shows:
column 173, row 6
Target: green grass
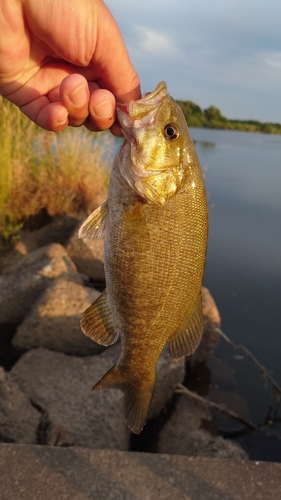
column 60, row 172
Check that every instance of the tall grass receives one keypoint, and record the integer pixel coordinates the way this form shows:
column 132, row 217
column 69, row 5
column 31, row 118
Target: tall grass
column 61, row 172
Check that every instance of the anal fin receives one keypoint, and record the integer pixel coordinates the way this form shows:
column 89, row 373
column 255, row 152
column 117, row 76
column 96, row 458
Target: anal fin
column 96, row 322
column 187, row 338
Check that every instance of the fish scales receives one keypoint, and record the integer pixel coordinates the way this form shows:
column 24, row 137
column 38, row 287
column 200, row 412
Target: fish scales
column 155, row 233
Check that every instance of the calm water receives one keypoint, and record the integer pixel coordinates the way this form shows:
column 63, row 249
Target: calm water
column 243, row 272
column 243, row 269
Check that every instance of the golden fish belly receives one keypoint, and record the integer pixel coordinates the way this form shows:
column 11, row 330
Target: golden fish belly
column 154, row 262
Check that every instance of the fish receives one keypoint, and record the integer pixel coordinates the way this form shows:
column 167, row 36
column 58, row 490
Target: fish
column 155, row 228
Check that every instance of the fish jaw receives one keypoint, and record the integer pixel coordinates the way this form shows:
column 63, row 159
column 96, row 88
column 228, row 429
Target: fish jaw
column 141, row 113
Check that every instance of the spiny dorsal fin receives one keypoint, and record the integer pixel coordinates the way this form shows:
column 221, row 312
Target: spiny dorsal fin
column 187, row 338
column 94, row 226
column 96, row 322
column 137, row 397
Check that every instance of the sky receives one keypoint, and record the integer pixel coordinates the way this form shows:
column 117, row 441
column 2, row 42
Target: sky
column 225, row 53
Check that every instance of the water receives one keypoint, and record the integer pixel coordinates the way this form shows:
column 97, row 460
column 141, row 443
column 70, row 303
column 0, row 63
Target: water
column 243, row 273
column 243, row 268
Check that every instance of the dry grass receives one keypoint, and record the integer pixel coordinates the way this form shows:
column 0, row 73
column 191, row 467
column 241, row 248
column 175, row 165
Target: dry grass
column 62, row 172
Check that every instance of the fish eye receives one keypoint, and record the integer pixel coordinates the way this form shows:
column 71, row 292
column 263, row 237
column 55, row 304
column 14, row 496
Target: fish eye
column 171, row 132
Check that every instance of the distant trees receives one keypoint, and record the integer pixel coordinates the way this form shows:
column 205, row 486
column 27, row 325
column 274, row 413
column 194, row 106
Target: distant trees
column 212, row 118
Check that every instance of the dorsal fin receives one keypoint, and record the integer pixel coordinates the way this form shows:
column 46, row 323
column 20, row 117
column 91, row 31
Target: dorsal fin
column 94, row 226
column 96, row 322
column 187, row 338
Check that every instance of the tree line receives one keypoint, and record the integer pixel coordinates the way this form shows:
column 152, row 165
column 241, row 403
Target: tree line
column 212, row 118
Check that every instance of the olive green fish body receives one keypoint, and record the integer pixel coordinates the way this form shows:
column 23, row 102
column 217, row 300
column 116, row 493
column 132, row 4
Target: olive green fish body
column 155, row 233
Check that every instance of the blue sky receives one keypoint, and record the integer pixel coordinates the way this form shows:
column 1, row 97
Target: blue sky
column 221, row 52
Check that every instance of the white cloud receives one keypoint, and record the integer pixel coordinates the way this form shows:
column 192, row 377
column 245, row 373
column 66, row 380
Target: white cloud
column 155, row 42
column 273, row 59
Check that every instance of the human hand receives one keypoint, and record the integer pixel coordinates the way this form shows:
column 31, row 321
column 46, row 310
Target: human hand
column 64, row 63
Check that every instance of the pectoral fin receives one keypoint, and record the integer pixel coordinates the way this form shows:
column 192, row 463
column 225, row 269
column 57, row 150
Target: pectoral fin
column 188, row 336
column 94, row 226
column 96, row 322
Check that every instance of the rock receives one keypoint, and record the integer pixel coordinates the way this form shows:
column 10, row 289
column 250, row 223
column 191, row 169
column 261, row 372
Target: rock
column 210, row 337
column 58, row 230
column 54, row 321
column 183, row 433
column 188, row 415
column 19, row 420
column 87, row 255
column 22, row 283
column 61, row 386
column 201, row 443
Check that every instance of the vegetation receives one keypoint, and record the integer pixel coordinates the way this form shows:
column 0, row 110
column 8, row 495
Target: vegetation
column 212, row 118
column 63, row 172
column 59, row 172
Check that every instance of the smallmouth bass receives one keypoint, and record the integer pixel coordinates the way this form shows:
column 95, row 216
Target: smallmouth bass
column 155, row 226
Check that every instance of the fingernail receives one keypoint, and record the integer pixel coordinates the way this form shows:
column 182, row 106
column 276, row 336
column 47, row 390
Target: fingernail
column 79, row 96
column 63, row 120
column 103, row 110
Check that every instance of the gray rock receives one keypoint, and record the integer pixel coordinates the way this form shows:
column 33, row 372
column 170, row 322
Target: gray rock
column 201, row 443
column 19, row 420
column 210, row 337
column 184, row 433
column 58, row 230
column 61, row 386
column 87, row 254
column 31, row 472
column 22, row 283
column 54, row 321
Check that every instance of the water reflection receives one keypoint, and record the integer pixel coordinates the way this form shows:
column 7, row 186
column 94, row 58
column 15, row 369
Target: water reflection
column 203, row 144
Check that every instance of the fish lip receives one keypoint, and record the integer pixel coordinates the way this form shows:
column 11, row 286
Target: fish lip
column 141, row 112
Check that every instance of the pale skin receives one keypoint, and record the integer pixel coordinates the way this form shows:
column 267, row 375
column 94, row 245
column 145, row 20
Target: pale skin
column 64, row 62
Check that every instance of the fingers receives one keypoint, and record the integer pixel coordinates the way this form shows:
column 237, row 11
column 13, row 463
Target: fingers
column 98, row 114
column 102, row 108
column 48, row 115
column 74, row 102
column 74, row 94
column 87, row 103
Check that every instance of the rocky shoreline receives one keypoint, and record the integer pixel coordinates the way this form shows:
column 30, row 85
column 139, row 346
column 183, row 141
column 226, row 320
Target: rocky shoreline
column 50, row 278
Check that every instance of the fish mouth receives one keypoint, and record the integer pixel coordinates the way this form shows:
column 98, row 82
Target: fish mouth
column 142, row 112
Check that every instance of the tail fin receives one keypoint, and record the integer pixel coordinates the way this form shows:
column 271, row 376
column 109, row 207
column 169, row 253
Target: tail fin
column 137, row 397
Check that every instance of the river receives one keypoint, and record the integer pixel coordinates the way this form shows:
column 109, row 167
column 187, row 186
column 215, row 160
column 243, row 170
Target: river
column 243, row 268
